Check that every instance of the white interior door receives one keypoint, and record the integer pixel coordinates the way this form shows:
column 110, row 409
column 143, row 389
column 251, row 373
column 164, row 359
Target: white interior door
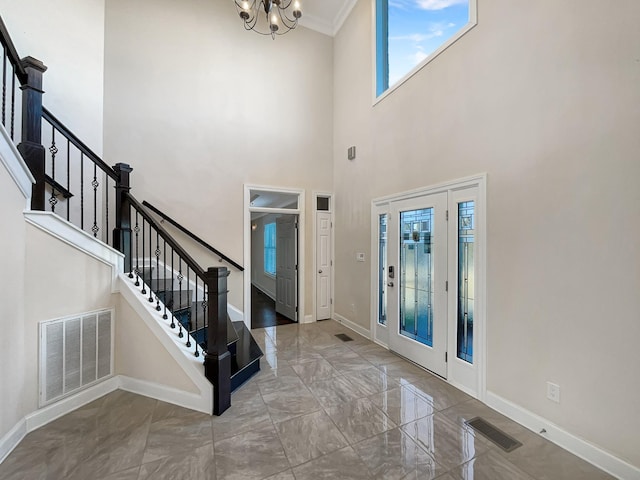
column 323, row 264
column 286, row 266
column 417, row 280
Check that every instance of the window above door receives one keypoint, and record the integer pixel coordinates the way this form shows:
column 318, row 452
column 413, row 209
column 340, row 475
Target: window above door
column 411, row 33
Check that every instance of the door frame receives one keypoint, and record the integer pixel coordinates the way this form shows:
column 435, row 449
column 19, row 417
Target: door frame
column 248, row 209
column 331, row 211
column 378, row 205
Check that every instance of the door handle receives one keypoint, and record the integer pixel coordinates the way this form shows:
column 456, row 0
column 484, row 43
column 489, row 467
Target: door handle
column 319, row 271
column 389, row 284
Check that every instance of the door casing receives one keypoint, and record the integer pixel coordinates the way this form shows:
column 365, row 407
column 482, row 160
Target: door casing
column 472, row 381
column 248, row 188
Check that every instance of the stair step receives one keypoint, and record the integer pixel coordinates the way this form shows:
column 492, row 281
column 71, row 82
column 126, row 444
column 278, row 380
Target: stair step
column 246, row 362
column 186, row 317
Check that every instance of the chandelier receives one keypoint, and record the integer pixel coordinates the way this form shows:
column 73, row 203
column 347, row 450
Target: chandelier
column 269, row 17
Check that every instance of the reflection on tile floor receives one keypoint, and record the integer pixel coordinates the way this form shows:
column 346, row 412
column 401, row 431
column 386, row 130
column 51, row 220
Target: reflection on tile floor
column 319, row 409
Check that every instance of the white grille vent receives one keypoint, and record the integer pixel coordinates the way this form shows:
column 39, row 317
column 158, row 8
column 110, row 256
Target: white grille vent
column 75, row 352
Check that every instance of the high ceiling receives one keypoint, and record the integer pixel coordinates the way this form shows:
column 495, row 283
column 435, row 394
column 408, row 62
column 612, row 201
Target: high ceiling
column 325, row 16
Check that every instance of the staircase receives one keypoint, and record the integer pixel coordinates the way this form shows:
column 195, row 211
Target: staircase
column 75, row 183
column 189, row 313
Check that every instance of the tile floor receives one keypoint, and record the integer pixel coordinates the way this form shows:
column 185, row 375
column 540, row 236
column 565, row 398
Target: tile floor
column 319, row 409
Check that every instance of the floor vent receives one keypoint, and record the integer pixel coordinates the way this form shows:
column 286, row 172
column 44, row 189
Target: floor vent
column 344, row 337
column 497, row 436
column 75, row 353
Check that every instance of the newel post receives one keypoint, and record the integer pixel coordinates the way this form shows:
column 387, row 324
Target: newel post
column 217, row 361
column 122, row 231
column 30, row 147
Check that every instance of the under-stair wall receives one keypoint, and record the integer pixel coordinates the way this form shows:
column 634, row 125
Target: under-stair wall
column 52, row 269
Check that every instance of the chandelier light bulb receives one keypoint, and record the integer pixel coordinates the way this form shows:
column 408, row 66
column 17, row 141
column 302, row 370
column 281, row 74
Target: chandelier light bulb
column 277, row 18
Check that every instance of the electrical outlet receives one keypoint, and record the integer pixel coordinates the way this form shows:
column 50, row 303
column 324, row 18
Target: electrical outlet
column 553, row 392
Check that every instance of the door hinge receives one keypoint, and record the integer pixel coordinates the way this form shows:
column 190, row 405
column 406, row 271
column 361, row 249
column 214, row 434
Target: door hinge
column 447, row 215
column 296, row 225
column 331, row 263
column 446, row 285
column 296, row 268
column 331, row 301
column 296, row 309
column 446, row 357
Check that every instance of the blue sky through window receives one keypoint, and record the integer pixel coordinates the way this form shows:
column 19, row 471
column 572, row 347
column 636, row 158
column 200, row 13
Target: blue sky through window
column 418, row 27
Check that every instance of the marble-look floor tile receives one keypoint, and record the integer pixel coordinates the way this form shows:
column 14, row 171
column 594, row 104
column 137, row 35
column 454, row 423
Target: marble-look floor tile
column 449, row 443
column 197, row 464
column 290, row 402
column 544, row 460
column 339, row 465
column 254, row 454
column 244, row 415
column 371, row 380
column 314, row 370
column 178, row 434
column 439, row 393
column 349, row 362
column 129, row 474
column 309, row 436
column 335, row 391
column 489, row 466
column 402, row 405
column 359, row 419
column 404, row 372
column 393, row 455
column 286, row 475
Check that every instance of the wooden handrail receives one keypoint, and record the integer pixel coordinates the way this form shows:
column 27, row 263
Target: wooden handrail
column 12, row 53
column 193, row 236
column 182, row 253
column 79, row 144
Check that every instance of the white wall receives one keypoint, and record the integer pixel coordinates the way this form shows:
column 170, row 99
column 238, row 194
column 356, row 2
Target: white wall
column 12, row 287
column 199, row 107
column 68, row 37
column 59, row 281
column 543, row 96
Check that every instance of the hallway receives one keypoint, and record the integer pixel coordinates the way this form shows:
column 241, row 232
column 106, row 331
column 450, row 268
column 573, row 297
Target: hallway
column 263, row 311
column 320, row 408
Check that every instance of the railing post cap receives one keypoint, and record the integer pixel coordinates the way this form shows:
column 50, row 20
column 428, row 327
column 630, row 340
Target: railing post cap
column 122, row 167
column 30, row 62
column 218, row 272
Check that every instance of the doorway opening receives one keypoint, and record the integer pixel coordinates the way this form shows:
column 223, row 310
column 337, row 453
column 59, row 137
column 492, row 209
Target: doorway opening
column 273, row 245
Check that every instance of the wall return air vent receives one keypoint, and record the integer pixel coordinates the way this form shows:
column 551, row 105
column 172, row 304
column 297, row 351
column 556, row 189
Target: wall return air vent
column 76, row 352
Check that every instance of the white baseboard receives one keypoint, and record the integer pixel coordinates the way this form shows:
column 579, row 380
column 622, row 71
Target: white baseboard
column 163, row 393
column 353, row 326
column 307, row 319
column 12, row 438
column 56, row 410
column 576, row 445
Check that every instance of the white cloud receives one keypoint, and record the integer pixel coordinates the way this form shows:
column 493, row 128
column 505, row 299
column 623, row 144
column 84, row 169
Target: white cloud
column 438, row 4
column 418, row 57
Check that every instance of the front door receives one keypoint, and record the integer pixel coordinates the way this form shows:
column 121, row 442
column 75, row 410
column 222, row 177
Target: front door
column 417, row 280
column 287, row 266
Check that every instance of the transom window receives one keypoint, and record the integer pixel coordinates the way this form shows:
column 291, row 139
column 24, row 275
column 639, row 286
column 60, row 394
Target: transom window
column 410, row 33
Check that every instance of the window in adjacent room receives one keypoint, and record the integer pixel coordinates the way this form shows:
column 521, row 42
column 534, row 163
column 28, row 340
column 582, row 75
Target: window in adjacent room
column 410, row 33
column 270, row 248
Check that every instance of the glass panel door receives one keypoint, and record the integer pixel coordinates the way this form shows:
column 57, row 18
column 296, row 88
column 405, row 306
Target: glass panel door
column 416, row 275
column 417, row 303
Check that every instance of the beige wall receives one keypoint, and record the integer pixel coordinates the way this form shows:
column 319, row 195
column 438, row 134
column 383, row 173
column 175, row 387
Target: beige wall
column 201, row 112
column 13, row 352
column 68, row 37
column 140, row 355
column 543, row 96
column 59, row 281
